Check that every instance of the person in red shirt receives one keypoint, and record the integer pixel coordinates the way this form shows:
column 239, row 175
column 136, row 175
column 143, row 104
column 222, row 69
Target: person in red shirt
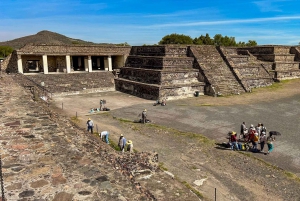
column 233, row 141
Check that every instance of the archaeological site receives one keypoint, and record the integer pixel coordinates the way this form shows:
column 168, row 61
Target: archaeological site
column 47, row 155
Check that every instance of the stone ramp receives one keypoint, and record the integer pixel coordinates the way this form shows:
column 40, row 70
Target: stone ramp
column 47, row 157
column 251, row 72
column 216, row 72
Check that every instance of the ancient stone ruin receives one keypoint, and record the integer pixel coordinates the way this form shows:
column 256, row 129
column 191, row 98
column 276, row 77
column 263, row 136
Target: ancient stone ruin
column 153, row 72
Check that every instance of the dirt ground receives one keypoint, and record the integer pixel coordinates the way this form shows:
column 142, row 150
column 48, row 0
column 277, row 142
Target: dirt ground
column 190, row 152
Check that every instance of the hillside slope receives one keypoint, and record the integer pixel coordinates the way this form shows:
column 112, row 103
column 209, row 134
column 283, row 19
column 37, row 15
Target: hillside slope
column 44, row 37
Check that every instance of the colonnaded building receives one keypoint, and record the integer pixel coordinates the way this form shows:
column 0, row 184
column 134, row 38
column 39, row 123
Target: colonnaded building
column 152, row 72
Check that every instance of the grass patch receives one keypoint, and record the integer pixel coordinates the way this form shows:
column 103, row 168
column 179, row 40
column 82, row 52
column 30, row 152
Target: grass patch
column 161, row 166
column 75, row 120
column 197, row 193
column 204, row 104
column 292, row 175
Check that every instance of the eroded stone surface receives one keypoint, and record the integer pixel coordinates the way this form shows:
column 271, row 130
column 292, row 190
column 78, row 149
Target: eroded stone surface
column 46, row 157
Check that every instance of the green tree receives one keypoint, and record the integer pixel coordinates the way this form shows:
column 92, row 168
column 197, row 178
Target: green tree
column 203, row 40
column 251, row 43
column 176, row 39
column 219, row 40
column 5, row 51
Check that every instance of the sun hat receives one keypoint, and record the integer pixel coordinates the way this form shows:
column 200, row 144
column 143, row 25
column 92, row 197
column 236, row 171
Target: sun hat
column 121, row 135
column 129, row 142
column 145, row 110
column 233, row 133
column 89, row 118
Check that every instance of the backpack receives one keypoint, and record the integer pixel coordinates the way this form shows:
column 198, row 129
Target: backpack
column 255, row 138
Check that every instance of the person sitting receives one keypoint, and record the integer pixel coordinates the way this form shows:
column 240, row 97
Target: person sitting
column 233, row 141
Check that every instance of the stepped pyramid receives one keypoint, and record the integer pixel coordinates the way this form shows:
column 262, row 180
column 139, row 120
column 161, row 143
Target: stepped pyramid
column 156, row 72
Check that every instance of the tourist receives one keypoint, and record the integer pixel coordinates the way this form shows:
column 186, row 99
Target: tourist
column 255, row 142
column 104, row 136
column 144, row 116
column 90, row 125
column 233, row 141
column 270, row 140
column 243, row 130
column 251, row 134
column 258, row 129
column 130, row 146
column 101, row 104
column 263, row 128
column 122, row 142
column 263, row 139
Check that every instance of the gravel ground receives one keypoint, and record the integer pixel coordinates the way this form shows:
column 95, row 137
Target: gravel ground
column 176, row 134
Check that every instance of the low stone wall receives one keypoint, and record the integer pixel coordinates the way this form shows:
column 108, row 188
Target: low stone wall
column 75, row 82
column 286, row 66
column 260, row 82
column 285, row 75
column 146, row 91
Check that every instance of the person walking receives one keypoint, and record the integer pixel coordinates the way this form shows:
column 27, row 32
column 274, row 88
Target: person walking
column 243, row 130
column 263, row 139
column 122, row 142
column 90, row 125
column 270, row 140
column 101, row 104
column 104, row 136
column 144, row 116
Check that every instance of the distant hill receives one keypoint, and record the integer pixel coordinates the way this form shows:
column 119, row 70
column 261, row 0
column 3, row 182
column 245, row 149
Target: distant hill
column 44, row 37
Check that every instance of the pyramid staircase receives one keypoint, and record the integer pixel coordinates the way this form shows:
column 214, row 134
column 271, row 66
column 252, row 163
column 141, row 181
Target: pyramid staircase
column 215, row 71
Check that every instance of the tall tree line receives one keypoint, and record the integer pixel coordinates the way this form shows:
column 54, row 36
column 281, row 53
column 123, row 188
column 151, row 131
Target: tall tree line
column 217, row 40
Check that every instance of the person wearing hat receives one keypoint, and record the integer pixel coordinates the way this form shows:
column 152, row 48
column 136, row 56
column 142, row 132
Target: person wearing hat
column 263, row 140
column 233, row 141
column 144, row 116
column 129, row 146
column 90, row 125
column 122, row 142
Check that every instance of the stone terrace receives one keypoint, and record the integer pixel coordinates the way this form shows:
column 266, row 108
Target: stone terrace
column 47, row 157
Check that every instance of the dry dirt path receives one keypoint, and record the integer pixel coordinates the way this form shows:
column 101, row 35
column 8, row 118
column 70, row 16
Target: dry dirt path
column 234, row 175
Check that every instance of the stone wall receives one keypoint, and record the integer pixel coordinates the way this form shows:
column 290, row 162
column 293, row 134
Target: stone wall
column 166, row 63
column 12, row 63
column 81, row 50
column 5, row 62
column 166, row 50
column 74, row 83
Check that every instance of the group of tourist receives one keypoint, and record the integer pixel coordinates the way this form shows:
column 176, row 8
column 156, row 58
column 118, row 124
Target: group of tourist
column 104, row 136
column 254, row 135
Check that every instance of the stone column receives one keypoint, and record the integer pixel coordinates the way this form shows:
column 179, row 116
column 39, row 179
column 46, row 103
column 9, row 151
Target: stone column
column 20, row 65
column 86, row 64
column 105, row 64
column 109, row 63
column 90, row 64
column 68, row 62
column 98, row 62
column 45, row 64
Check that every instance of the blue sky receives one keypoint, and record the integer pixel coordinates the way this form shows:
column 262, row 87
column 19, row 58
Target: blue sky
column 147, row 22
